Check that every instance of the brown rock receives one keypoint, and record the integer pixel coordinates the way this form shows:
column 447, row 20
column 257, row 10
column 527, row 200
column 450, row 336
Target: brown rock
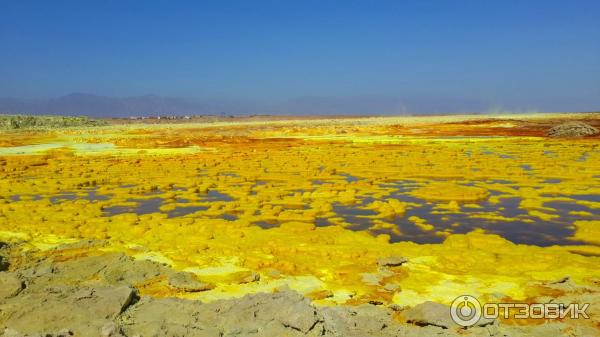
column 188, row 282
column 392, row 261
column 430, row 313
column 253, row 277
column 391, row 287
column 573, row 129
column 266, row 314
column 82, row 310
column 10, row 285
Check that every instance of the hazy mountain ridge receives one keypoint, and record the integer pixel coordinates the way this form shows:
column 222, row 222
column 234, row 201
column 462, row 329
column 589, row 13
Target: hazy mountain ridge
column 83, row 104
column 101, row 106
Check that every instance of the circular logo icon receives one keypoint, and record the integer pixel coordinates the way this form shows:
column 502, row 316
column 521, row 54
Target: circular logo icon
column 465, row 310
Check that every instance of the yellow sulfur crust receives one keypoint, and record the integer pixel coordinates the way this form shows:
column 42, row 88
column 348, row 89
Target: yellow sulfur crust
column 252, row 197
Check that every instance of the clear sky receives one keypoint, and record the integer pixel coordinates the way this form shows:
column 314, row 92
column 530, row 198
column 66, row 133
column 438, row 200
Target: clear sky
column 519, row 54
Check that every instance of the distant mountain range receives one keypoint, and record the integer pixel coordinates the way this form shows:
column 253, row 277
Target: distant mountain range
column 103, row 106
column 82, row 104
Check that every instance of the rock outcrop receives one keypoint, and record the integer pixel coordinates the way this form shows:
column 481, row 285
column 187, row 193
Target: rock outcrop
column 10, row 285
column 573, row 129
column 82, row 311
column 65, row 293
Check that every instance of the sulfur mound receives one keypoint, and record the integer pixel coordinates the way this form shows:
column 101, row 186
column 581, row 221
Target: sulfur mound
column 447, row 191
column 573, row 129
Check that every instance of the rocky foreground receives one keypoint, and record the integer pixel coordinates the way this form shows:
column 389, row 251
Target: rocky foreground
column 65, row 292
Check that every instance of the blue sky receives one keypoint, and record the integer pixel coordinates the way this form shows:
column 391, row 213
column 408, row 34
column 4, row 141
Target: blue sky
column 507, row 54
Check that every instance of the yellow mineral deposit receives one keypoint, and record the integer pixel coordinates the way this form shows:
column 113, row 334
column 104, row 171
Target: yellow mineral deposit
column 313, row 205
column 445, row 191
column 587, row 231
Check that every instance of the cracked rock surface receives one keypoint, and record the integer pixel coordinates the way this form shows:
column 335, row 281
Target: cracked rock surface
column 66, row 293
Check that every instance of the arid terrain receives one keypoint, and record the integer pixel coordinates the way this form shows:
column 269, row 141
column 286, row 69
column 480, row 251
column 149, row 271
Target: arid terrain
column 365, row 226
